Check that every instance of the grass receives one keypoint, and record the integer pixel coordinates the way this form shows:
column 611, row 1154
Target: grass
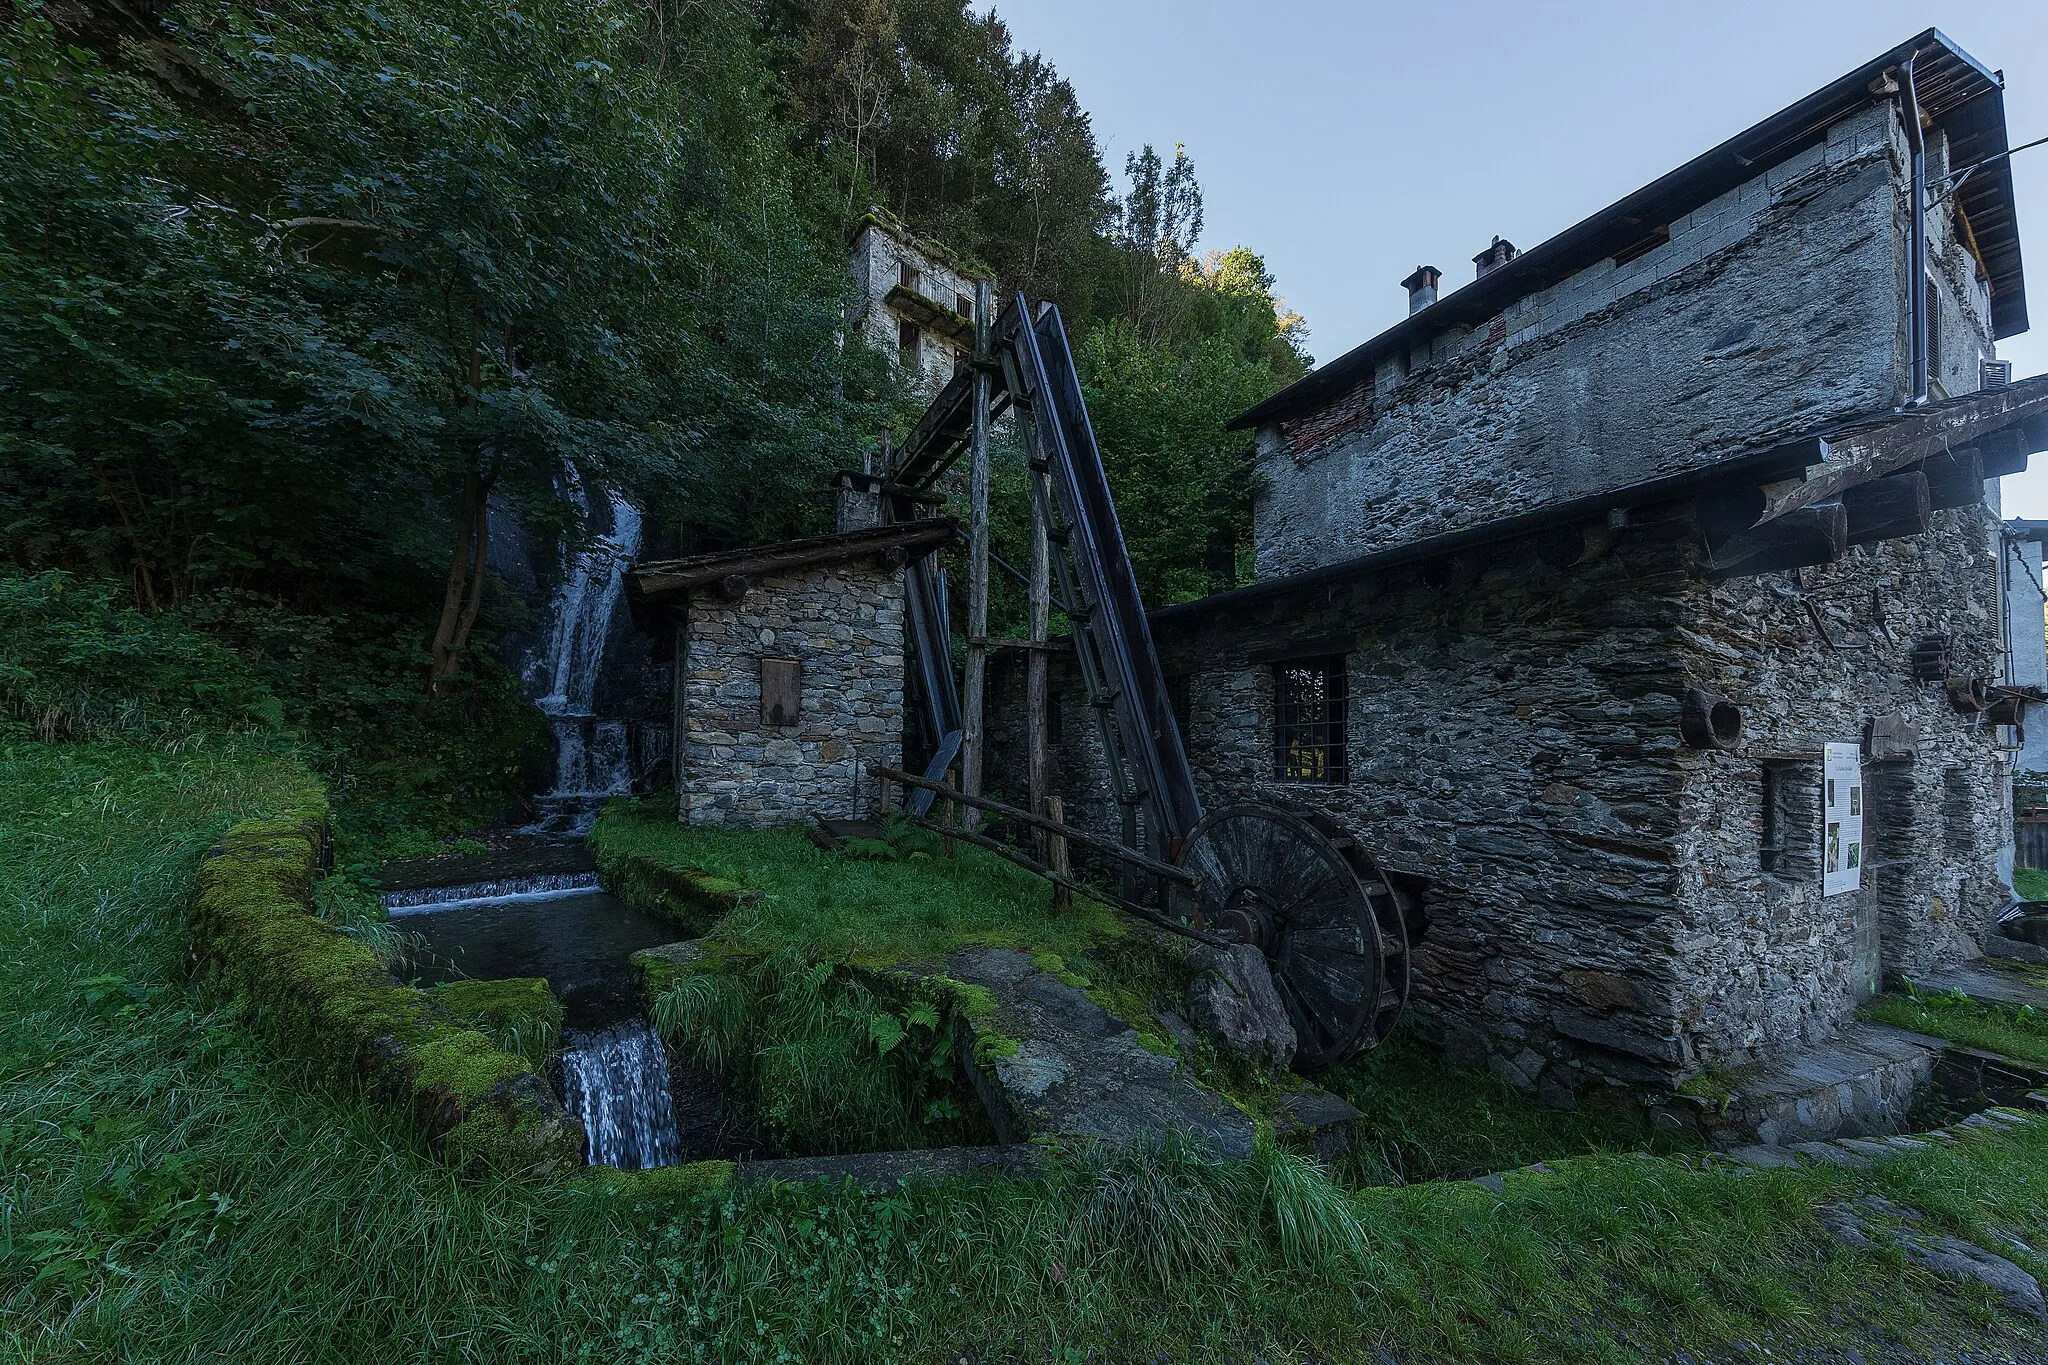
column 172, row 1192
column 1426, row 1119
column 875, row 911
column 2017, row 1031
column 2031, row 883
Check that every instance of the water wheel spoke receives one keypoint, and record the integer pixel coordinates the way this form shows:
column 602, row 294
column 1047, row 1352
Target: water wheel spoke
column 1314, row 902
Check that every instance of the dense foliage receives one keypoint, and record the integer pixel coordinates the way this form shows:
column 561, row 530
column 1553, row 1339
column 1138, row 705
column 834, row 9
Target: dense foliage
column 294, row 297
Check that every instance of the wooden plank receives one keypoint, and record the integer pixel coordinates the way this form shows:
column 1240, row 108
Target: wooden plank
column 1871, row 452
column 1067, row 832
column 1037, row 755
column 1068, row 884
column 782, row 692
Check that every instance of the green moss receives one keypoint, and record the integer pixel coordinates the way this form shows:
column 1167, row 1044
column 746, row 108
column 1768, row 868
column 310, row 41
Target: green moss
column 1712, row 1082
column 519, row 1015
column 325, row 995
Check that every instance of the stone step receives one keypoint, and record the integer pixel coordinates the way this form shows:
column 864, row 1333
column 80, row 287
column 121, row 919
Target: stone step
column 1860, row 1083
column 1051, row 1063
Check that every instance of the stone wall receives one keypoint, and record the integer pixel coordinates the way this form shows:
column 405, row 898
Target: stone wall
column 843, row 623
column 1600, row 911
column 1770, row 311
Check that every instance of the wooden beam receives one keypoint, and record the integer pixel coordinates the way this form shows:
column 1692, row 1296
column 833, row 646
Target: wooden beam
column 973, row 737
column 2004, row 452
column 1803, row 536
column 1896, row 443
column 733, row 586
column 1726, row 513
column 1954, row 480
column 1886, row 509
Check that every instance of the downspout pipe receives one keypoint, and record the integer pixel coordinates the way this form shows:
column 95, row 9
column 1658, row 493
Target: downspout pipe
column 1916, row 252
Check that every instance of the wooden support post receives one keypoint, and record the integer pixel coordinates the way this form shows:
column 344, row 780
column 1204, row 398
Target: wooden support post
column 1056, row 852
column 1036, row 694
column 972, row 740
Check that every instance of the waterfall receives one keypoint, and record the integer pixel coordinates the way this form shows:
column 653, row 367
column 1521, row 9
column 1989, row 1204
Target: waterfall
column 617, row 1083
column 593, row 758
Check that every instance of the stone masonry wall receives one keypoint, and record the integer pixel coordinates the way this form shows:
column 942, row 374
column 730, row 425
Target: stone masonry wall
column 1600, row 913
column 1772, row 310
column 844, row 624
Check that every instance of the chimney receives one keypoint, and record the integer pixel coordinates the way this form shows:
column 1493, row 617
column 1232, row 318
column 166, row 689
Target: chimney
column 1421, row 287
column 1494, row 257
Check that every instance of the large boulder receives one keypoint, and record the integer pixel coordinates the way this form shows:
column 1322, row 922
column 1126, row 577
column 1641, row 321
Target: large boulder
column 1233, row 999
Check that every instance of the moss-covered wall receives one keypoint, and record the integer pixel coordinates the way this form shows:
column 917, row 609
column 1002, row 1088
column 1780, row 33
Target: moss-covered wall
column 324, row 996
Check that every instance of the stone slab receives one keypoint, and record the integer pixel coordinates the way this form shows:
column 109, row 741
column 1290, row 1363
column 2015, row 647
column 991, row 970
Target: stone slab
column 1058, row 1065
column 1983, row 981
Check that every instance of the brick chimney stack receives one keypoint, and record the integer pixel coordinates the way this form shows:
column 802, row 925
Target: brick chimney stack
column 1421, row 287
column 1494, row 257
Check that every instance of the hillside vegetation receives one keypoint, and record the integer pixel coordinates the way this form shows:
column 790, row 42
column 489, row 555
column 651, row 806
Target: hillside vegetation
column 291, row 294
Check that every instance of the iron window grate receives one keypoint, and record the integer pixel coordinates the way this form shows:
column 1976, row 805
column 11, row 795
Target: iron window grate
column 1310, row 700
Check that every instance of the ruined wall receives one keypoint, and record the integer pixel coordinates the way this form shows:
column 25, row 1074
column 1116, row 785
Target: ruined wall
column 843, row 623
column 876, row 262
column 1771, row 310
column 1601, row 911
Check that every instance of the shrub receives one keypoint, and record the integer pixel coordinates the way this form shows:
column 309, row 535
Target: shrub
column 74, row 664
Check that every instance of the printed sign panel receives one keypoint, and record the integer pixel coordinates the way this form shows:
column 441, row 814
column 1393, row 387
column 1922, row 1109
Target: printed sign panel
column 1841, row 847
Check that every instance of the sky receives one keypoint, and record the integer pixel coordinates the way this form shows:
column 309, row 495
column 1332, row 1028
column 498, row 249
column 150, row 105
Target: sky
column 1350, row 143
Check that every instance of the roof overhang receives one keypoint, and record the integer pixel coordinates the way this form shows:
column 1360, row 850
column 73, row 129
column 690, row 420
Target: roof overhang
column 1956, row 91
column 666, row 581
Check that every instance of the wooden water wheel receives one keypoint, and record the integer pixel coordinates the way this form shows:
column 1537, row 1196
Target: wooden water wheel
column 1332, row 927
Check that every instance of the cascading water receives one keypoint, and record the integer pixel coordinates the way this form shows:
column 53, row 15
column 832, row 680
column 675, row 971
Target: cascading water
column 617, row 1082
column 593, row 758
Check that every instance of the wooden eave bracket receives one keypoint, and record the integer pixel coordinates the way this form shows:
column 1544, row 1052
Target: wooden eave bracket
column 929, row 314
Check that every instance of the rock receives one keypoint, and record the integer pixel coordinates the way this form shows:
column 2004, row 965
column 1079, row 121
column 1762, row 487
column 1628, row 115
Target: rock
column 1317, row 1120
column 1866, row 1222
column 1763, row 1158
column 1051, row 1063
column 1233, row 999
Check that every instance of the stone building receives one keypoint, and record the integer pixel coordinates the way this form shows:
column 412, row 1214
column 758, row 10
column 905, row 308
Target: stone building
column 788, row 671
column 913, row 296
column 1570, row 582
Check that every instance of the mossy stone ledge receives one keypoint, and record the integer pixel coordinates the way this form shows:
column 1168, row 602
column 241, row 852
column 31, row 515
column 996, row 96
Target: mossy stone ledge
column 323, row 996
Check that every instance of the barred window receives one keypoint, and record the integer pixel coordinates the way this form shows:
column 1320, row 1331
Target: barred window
column 1310, row 698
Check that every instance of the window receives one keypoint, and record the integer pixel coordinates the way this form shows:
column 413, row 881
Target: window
column 963, row 304
column 906, row 275
column 1310, row 698
column 782, row 692
column 1791, row 820
column 906, row 339
column 1934, row 334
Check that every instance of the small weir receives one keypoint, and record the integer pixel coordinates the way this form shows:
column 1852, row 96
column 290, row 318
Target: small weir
column 617, row 1082
column 499, row 891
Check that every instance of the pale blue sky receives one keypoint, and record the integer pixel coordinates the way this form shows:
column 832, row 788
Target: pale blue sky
column 1349, row 143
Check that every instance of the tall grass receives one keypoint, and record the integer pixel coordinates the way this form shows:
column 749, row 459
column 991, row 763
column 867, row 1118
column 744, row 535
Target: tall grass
column 170, row 1191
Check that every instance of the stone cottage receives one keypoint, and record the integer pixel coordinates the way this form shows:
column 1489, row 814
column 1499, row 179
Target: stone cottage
column 913, row 295
column 1631, row 598
column 788, row 671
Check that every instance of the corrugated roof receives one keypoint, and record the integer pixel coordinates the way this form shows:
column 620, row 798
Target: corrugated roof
column 1962, row 97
